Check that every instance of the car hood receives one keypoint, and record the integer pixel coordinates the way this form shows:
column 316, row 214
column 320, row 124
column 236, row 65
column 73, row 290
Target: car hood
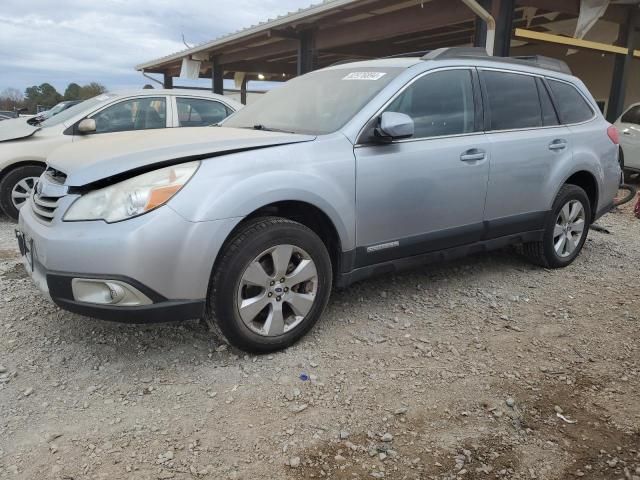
column 106, row 155
column 16, row 128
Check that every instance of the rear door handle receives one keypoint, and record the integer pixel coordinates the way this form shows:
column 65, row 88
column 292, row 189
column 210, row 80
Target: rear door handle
column 558, row 144
column 626, row 132
column 473, row 155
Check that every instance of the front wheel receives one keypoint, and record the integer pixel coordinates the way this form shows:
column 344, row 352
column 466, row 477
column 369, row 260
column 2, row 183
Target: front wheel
column 270, row 286
column 16, row 187
column 565, row 231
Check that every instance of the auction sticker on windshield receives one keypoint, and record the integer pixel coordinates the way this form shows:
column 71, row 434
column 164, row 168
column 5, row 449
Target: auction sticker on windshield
column 365, row 76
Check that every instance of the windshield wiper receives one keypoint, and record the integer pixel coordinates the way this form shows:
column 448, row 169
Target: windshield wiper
column 260, row 126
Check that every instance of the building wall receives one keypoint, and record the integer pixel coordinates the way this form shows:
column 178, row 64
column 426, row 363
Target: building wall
column 593, row 68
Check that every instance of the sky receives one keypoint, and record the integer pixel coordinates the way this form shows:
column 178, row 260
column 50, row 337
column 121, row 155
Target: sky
column 63, row 41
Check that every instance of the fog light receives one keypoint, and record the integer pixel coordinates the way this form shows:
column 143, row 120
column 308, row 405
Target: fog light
column 107, row 292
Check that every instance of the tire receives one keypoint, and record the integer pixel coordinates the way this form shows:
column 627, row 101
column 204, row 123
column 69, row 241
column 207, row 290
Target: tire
column 11, row 181
column 544, row 252
column 259, row 244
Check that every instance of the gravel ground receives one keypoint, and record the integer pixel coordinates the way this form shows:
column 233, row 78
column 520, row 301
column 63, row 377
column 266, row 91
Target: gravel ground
column 479, row 369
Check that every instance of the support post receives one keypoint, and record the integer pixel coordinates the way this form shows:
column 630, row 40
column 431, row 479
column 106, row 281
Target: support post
column 168, row 81
column 480, row 34
column 307, row 55
column 243, row 89
column 217, row 77
column 504, row 26
column 622, row 66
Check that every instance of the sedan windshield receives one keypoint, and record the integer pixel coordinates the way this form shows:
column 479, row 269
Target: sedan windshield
column 317, row 103
column 77, row 109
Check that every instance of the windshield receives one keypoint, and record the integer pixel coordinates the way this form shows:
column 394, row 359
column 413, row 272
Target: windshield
column 75, row 110
column 55, row 110
column 317, row 103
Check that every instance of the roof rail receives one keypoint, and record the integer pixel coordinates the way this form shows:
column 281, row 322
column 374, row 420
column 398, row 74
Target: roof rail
column 546, row 62
column 455, row 52
column 478, row 52
column 419, row 53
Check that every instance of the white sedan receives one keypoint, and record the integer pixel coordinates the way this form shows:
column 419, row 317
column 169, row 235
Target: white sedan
column 629, row 127
column 25, row 147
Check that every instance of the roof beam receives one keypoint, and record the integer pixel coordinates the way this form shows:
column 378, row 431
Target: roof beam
column 522, row 33
column 401, row 22
column 405, row 21
column 264, row 51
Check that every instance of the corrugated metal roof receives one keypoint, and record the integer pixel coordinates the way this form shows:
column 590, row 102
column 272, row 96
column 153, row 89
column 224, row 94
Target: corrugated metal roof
column 289, row 18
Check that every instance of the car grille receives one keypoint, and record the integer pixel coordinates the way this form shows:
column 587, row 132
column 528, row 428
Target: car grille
column 43, row 204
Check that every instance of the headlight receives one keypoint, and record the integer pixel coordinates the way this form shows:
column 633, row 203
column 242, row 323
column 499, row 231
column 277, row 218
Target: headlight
column 132, row 197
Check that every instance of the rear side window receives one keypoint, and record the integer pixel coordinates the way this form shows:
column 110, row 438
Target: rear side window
column 632, row 115
column 572, row 106
column 440, row 103
column 198, row 112
column 512, row 100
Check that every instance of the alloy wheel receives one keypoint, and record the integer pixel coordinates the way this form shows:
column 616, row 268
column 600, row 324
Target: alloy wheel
column 277, row 290
column 569, row 228
column 21, row 191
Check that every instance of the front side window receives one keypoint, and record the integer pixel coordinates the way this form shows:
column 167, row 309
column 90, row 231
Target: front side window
column 513, row 101
column 198, row 112
column 135, row 114
column 439, row 103
column 572, row 106
column 632, row 115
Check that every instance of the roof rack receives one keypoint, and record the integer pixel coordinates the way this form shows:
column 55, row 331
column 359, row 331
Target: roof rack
column 478, row 52
column 546, row 62
column 455, row 52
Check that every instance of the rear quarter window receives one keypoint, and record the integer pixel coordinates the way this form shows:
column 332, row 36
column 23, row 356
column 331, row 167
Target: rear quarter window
column 572, row 107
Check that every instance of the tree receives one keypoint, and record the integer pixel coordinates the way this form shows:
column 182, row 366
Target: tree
column 11, row 99
column 148, row 86
column 72, row 92
column 91, row 90
column 44, row 95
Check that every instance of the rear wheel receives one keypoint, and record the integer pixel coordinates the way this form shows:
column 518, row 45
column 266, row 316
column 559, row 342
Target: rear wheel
column 271, row 285
column 16, row 187
column 565, row 231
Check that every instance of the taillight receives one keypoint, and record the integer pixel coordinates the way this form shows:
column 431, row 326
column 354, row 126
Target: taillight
column 613, row 134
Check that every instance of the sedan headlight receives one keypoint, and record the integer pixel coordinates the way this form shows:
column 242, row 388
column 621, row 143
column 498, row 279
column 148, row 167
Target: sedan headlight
column 132, row 197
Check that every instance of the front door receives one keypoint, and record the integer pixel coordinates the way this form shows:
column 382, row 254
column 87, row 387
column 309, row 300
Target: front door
column 428, row 192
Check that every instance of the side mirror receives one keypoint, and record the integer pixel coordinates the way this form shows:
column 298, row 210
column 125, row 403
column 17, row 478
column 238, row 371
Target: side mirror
column 88, row 125
column 394, row 126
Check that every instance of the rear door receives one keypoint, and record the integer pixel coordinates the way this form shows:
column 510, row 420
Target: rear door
column 629, row 127
column 526, row 139
column 200, row 112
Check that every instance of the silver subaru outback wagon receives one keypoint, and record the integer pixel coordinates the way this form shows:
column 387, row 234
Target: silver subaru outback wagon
column 354, row 170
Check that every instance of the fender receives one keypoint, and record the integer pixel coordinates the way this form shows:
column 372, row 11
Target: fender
column 321, row 173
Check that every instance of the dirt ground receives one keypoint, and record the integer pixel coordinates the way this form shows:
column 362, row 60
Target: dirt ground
column 480, row 369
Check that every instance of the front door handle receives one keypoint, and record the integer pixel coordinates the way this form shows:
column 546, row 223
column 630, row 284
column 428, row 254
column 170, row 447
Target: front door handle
column 626, row 132
column 473, row 155
column 558, row 144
